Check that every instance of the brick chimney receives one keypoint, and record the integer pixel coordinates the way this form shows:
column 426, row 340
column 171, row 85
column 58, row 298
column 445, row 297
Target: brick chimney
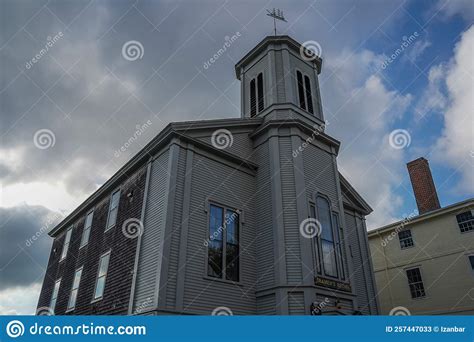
column 423, row 185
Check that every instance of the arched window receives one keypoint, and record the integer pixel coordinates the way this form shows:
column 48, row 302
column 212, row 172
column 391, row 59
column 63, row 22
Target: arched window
column 305, row 97
column 328, row 242
column 257, row 98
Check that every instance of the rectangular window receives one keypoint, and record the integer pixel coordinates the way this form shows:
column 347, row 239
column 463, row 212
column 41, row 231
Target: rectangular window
column 312, row 212
column 74, row 290
column 405, row 238
column 253, row 99
column 67, row 240
column 223, row 247
column 87, row 229
column 309, row 97
column 417, row 290
column 54, row 296
column 327, row 237
column 101, row 275
column 113, row 209
column 339, row 239
column 465, row 221
column 260, row 96
column 471, row 261
column 301, row 94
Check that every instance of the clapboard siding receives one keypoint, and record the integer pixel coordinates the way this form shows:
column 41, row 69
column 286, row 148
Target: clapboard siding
column 266, row 305
column 241, row 144
column 152, row 238
column 290, row 215
column 296, row 303
column 212, row 180
column 319, row 173
column 176, row 231
column 280, row 77
column 358, row 261
column 264, row 227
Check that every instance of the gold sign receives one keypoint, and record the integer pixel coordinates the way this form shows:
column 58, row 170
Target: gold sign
column 333, row 284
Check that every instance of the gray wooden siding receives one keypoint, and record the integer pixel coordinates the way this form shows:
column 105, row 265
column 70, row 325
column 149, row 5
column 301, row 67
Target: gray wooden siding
column 358, row 275
column 215, row 181
column 264, row 227
column 242, row 146
column 280, row 77
column 152, row 238
column 176, row 231
column 290, row 215
column 296, row 303
column 266, row 305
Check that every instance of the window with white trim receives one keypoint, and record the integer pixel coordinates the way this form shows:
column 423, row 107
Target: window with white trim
column 471, row 261
column 87, row 229
column 405, row 238
column 67, row 241
column 101, row 275
column 257, row 98
column 305, row 96
column 465, row 221
column 113, row 209
column 328, row 243
column 74, row 290
column 54, row 295
column 223, row 246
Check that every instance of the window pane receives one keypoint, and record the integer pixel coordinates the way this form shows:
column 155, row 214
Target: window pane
column 99, row 290
column 115, row 199
column 216, row 224
column 72, row 299
column 66, row 243
column 309, row 99
column 77, row 279
column 299, row 80
column 54, row 295
column 261, row 103
column 214, row 263
column 103, row 265
column 113, row 208
column 329, row 258
column 112, row 217
column 324, row 218
column 89, row 219
column 85, row 236
column 232, row 226
column 253, row 100
column 471, row 259
column 232, row 261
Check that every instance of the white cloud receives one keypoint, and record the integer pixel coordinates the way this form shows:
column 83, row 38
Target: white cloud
column 415, row 51
column 363, row 111
column 456, row 143
column 433, row 98
column 19, row 300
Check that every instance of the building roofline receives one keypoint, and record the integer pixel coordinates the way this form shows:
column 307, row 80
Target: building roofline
column 348, row 190
column 423, row 217
column 274, row 39
column 162, row 139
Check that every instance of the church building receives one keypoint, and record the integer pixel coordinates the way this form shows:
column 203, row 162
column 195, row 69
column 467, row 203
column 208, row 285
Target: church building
column 241, row 216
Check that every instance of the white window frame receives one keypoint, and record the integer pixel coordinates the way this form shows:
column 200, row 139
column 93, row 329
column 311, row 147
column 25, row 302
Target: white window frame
column 85, row 243
column 108, row 226
column 94, row 298
column 55, row 294
column 67, row 242
column 76, row 289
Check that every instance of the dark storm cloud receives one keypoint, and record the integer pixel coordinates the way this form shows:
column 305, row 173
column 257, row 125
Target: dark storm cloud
column 92, row 98
column 24, row 244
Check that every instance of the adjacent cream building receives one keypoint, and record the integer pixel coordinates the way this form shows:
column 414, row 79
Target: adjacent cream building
column 424, row 265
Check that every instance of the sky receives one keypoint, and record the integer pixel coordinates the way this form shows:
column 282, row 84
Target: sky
column 396, row 84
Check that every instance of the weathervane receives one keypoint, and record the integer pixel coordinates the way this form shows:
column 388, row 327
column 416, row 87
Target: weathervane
column 276, row 14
